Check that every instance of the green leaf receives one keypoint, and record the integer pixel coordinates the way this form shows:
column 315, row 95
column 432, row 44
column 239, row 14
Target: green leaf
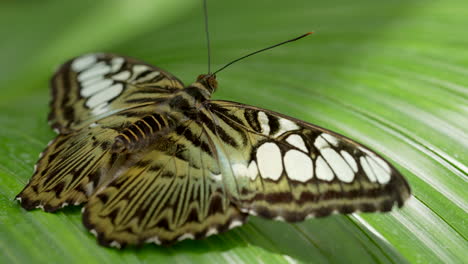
column 392, row 75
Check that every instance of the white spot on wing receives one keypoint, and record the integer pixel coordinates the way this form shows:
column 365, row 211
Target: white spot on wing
column 95, row 87
column 211, row 231
column 297, row 142
column 279, row 218
column 382, row 163
column 366, row 151
column 269, row 161
column 115, row 244
column 186, row 236
column 93, row 231
column 367, row 169
column 298, row 166
column 117, row 64
column 351, row 161
column 138, row 69
column 100, row 109
column 98, row 69
column 154, row 239
column 263, row 119
column 92, row 81
column 382, row 171
column 342, row 170
column 320, row 143
column 381, row 174
column 252, row 212
column 309, row 216
column 235, row 223
column 147, row 77
column 331, row 139
column 83, row 62
column 19, row 199
column 105, row 95
column 122, row 76
column 323, row 171
column 285, row 125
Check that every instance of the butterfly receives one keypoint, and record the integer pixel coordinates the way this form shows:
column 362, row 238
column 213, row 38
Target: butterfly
column 155, row 161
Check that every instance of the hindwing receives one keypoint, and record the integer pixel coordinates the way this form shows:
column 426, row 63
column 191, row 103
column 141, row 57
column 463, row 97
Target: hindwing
column 68, row 170
column 171, row 192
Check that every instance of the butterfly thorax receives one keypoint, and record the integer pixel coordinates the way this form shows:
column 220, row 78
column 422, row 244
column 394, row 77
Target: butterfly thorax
column 192, row 97
column 183, row 106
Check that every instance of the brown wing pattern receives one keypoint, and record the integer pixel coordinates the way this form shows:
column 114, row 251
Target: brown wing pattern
column 171, row 192
column 93, row 86
column 290, row 170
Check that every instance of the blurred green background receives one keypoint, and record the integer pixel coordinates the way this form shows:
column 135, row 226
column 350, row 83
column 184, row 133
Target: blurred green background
column 390, row 74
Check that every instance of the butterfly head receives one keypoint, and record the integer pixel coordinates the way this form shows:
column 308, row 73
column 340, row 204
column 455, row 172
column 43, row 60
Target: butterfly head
column 208, row 81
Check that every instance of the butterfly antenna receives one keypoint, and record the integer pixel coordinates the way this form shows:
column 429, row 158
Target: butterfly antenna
column 258, row 51
column 207, row 33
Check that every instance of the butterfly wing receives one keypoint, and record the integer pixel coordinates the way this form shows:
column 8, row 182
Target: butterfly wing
column 290, row 170
column 172, row 191
column 95, row 97
column 93, row 86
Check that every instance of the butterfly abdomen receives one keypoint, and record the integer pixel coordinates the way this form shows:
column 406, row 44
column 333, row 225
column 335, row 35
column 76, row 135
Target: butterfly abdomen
column 140, row 134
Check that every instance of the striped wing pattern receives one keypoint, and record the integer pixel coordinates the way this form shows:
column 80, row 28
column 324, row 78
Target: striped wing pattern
column 66, row 171
column 93, row 86
column 158, row 162
column 174, row 191
column 74, row 164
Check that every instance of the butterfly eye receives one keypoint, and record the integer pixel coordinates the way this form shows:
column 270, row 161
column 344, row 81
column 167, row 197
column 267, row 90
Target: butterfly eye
column 208, row 81
column 212, row 83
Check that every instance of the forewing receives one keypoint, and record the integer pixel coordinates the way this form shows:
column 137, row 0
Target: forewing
column 171, row 192
column 93, row 86
column 290, row 170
